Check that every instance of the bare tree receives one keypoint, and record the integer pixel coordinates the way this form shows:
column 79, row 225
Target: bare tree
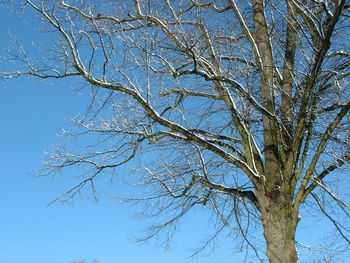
column 240, row 106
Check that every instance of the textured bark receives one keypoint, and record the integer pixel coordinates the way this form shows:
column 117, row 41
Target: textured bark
column 279, row 229
column 275, row 200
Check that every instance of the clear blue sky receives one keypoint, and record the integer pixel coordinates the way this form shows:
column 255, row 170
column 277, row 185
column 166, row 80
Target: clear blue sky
column 32, row 113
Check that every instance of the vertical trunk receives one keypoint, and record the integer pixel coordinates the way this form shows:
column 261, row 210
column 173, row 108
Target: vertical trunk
column 279, row 230
column 275, row 197
column 265, row 55
column 288, row 76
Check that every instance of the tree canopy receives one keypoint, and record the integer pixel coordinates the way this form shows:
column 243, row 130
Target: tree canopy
column 241, row 107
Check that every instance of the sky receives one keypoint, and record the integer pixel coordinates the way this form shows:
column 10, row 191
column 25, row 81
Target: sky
column 32, row 114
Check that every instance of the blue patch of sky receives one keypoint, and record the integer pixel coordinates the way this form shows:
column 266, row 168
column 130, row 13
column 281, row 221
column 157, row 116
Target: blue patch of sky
column 32, row 113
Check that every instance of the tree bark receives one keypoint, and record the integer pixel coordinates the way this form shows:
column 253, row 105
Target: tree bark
column 275, row 198
column 279, row 229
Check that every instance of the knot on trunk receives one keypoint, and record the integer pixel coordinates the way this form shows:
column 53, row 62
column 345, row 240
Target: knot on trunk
column 275, row 192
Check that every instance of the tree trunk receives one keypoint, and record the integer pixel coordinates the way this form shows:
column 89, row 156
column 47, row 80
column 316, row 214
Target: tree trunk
column 279, row 230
